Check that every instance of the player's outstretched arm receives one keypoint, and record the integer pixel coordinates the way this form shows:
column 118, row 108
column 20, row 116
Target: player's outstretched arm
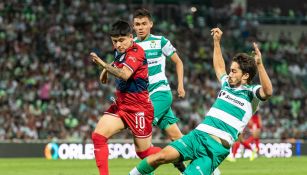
column 218, row 61
column 179, row 69
column 266, row 90
column 123, row 73
column 103, row 76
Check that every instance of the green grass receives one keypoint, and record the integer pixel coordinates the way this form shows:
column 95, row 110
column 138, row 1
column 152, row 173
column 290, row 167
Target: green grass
column 260, row 166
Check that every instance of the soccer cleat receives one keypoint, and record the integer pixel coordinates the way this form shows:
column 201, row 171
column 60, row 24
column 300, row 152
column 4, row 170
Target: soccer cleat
column 253, row 155
column 231, row 159
column 180, row 166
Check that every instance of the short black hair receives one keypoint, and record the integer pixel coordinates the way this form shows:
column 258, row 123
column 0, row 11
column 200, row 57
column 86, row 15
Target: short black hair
column 120, row 28
column 247, row 65
column 139, row 13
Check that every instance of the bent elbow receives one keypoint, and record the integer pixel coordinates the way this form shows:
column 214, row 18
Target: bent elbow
column 268, row 93
column 125, row 77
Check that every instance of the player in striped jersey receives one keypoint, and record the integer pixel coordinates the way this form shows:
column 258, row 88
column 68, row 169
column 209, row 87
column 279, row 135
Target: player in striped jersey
column 157, row 50
column 209, row 143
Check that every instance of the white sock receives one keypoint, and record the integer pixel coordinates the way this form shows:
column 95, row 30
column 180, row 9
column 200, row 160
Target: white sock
column 135, row 171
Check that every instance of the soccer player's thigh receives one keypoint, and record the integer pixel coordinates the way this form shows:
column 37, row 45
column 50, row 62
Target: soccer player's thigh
column 166, row 155
column 140, row 124
column 142, row 144
column 110, row 123
column 256, row 132
column 161, row 101
column 188, row 146
column 168, row 120
column 199, row 166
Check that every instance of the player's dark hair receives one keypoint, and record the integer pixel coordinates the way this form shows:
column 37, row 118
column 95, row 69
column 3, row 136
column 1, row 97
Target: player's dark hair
column 247, row 65
column 120, row 28
column 139, row 13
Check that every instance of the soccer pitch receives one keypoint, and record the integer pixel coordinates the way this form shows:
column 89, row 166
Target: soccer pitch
column 260, row 166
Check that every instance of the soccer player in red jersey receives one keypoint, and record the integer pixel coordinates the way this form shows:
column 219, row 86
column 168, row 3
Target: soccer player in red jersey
column 132, row 107
column 254, row 126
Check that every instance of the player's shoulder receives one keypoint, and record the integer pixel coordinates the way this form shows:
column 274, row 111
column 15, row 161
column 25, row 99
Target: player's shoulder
column 136, row 50
column 250, row 87
column 157, row 37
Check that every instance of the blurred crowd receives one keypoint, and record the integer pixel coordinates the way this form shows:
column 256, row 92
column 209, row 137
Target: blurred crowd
column 49, row 88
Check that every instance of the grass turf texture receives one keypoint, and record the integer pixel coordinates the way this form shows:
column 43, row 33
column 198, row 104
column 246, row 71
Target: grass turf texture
column 260, row 166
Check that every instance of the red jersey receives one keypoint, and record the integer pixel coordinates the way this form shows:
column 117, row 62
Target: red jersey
column 133, row 104
column 255, row 122
column 132, row 93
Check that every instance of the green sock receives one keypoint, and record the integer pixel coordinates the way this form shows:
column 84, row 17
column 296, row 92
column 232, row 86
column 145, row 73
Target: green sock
column 144, row 167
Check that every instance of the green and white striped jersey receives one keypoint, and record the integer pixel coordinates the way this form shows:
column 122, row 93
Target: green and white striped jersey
column 157, row 49
column 231, row 111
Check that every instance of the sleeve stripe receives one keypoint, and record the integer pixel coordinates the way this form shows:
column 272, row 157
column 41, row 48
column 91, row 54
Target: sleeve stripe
column 222, row 76
column 258, row 95
column 128, row 67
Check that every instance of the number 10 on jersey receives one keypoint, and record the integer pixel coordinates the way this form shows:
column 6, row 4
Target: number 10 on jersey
column 140, row 120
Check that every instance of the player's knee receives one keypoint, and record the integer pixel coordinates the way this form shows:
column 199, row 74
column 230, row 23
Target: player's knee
column 161, row 158
column 99, row 139
column 175, row 136
column 147, row 152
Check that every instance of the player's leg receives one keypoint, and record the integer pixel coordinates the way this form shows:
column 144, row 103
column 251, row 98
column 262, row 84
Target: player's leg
column 107, row 126
column 235, row 148
column 165, row 119
column 254, row 138
column 181, row 149
column 140, row 124
column 172, row 130
column 209, row 155
column 199, row 166
column 149, row 164
column 256, row 135
column 144, row 147
column 174, row 133
column 161, row 102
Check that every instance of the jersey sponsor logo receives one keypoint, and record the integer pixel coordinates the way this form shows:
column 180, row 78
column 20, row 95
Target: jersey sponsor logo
column 227, row 96
column 152, row 54
column 152, row 62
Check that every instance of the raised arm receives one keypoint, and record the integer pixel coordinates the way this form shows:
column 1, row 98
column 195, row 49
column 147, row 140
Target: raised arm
column 266, row 90
column 179, row 69
column 123, row 73
column 218, row 61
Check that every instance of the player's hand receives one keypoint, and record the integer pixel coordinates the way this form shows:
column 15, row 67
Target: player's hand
column 216, row 34
column 181, row 92
column 103, row 76
column 257, row 56
column 97, row 60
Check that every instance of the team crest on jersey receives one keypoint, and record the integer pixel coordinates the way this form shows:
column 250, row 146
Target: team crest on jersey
column 153, row 44
column 132, row 58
